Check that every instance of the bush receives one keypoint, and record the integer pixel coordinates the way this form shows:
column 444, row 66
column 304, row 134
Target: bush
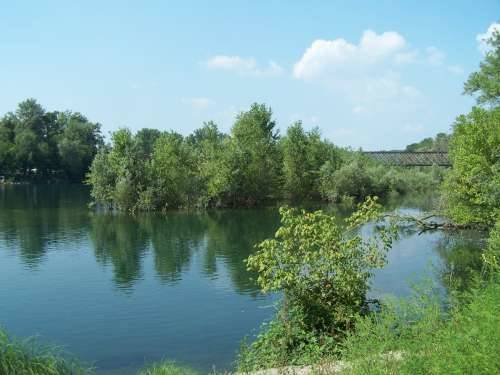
column 352, row 179
column 360, row 177
column 323, row 271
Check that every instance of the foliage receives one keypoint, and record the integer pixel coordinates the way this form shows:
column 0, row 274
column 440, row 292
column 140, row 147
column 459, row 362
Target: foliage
column 491, row 256
column 252, row 157
column 47, row 145
column 323, row 270
column 284, row 341
column 439, row 143
column 416, row 337
column 171, row 169
column 208, row 145
column 167, row 368
column 304, row 153
column 486, row 82
column 28, row 358
column 360, row 177
column 253, row 165
column 473, row 185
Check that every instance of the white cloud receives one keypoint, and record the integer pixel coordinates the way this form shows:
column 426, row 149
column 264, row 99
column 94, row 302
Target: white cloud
column 361, row 72
column 198, row 103
column 336, row 56
column 245, row 66
column 482, row 39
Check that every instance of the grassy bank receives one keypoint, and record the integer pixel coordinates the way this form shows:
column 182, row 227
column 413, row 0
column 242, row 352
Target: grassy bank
column 465, row 342
column 27, row 357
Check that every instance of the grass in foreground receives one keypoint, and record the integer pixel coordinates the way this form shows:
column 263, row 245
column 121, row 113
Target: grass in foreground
column 466, row 342
column 29, row 358
column 167, row 368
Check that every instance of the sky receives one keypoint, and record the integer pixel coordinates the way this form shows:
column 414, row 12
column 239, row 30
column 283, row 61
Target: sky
column 370, row 74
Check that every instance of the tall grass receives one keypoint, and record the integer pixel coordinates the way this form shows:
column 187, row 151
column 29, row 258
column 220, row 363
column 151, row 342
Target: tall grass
column 167, row 368
column 29, row 358
column 416, row 338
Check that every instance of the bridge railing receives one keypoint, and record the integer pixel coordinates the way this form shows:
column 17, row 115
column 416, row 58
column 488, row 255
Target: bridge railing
column 411, row 159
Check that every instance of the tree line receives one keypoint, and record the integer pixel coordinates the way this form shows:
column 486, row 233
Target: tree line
column 41, row 145
column 252, row 165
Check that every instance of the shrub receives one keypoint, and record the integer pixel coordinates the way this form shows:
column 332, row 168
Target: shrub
column 323, row 271
column 361, row 177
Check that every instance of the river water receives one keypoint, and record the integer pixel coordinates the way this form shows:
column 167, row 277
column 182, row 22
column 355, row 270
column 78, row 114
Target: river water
column 120, row 291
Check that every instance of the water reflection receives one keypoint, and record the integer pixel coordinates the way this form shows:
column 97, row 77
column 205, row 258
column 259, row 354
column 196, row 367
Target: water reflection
column 121, row 241
column 119, row 290
column 35, row 220
column 124, row 240
column 461, row 255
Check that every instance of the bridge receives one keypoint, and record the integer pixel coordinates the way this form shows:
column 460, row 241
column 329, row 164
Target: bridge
column 411, row 159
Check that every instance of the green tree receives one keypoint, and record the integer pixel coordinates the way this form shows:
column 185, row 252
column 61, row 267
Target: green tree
column 485, row 83
column 31, row 145
column 46, row 145
column 208, row 145
column 439, row 143
column 7, row 147
column 304, row 153
column 171, row 168
column 78, row 144
column 473, row 184
column 253, row 158
column 145, row 139
column 117, row 175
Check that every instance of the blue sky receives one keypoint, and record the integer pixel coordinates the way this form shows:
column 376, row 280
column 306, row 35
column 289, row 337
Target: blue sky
column 371, row 74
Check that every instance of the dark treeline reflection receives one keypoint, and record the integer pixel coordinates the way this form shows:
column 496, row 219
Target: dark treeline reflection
column 32, row 217
column 221, row 239
column 39, row 219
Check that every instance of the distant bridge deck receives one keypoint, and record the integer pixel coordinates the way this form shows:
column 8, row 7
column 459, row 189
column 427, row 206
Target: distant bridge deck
column 411, row 159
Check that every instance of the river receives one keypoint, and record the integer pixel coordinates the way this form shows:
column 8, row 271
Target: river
column 122, row 291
